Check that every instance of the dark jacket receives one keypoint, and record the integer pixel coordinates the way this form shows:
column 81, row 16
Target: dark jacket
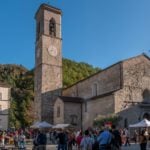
column 116, row 140
column 62, row 138
column 41, row 140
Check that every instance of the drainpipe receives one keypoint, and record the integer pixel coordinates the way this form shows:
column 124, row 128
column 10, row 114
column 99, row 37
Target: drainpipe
column 81, row 119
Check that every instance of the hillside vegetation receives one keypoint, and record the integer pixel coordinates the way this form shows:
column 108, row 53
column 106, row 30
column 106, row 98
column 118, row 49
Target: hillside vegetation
column 73, row 71
column 21, row 81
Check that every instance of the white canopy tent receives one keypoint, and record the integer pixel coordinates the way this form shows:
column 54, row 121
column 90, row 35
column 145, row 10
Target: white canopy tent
column 45, row 124
column 35, row 125
column 42, row 124
column 143, row 123
column 57, row 126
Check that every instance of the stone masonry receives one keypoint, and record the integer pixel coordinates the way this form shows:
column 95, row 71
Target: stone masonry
column 123, row 88
column 48, row 67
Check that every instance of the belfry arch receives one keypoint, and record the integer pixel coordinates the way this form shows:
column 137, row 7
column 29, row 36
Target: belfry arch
column 52, row 27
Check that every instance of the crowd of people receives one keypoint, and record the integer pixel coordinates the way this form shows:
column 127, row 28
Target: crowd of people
column 15, row 137
column 105, row 139
column 89, row 140
column 68, row 139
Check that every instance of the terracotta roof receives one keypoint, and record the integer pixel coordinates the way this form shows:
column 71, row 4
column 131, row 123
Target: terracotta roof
column 71, row 99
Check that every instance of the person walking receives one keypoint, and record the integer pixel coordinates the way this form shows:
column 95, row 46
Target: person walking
column 127, row 142
column 3, row 138
column 16, row 138
column 41, row 140
column 104, row 139
column 135, row 135
column 78, row 139
column 35, row 137
column 142, row 141
column 62, row 140
column 21, row 140
column 86, row 142
column 116, row 139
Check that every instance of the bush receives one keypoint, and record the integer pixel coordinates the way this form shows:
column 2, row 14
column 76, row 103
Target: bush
column 100, row 120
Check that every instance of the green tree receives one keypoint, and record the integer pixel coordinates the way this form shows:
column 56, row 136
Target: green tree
column 21, row 81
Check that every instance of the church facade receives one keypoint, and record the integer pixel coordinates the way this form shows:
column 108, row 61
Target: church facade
column 123, row 88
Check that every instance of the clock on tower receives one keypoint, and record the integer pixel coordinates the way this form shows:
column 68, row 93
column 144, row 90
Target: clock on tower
column 48, row 60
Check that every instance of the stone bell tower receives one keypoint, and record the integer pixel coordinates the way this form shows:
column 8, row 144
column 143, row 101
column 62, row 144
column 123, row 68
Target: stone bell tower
column 48, row 61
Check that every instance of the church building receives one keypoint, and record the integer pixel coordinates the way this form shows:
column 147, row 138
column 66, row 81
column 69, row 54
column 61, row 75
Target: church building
column 122, row 88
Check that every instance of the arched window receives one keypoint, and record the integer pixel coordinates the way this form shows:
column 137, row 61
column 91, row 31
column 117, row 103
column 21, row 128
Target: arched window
column 38, row 27
column 58, row 111
column 95, row 89
column 146, row 96
column 52, row 27
column 74, row 119
column 125, row 122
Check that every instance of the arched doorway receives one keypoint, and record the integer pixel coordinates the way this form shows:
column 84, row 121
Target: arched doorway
column 146, row 96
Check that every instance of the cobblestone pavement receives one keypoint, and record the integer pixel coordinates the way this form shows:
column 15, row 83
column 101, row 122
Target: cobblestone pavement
column 54, row 147
column 133, row 147
column 28, row 147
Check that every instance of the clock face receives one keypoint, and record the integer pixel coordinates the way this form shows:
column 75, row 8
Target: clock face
column 52, row 51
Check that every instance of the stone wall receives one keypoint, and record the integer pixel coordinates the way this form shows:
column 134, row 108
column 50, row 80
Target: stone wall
column 48, row 67
column 50, row 79
column 134, row 70
column 100, row 106
column 37, row 91
column 72, row 114
column 58, row 119
column 48, row 15
column 136, row 79
column 44, row 15
column 107, row 81
column 47, row 105
column 127, row 80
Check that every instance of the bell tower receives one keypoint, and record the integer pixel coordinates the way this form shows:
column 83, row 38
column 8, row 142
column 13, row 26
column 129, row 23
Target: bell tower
column 48, row 61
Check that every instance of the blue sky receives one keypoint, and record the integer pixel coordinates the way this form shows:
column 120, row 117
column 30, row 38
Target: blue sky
column 98, row 32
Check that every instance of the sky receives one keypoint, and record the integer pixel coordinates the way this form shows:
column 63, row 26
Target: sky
column 97, row 32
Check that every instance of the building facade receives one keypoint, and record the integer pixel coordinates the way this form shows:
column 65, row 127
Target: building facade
column 122, row 88
column 4, row 105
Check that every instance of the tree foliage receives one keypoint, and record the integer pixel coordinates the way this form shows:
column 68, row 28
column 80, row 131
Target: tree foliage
column 21, row 81
column 74, row 72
